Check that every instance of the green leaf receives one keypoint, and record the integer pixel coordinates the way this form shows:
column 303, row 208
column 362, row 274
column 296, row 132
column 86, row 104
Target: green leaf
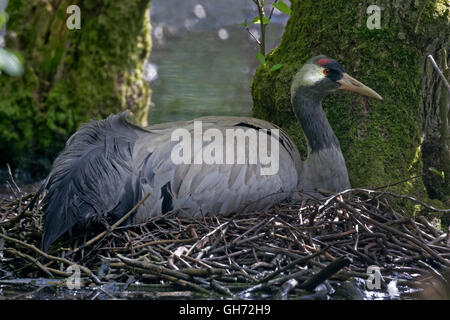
column 260, row 57
column 243, row 24
column 276, row 67
column 283, row 7
column 3, row 19
column 10, row 62
column 439, row 173
column 258, row 21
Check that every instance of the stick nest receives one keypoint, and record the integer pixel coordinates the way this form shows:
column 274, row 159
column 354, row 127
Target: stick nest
column 286, row 251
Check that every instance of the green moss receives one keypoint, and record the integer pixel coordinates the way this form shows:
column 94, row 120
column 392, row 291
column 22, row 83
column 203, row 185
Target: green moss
column 71, row 75
column 380, row 139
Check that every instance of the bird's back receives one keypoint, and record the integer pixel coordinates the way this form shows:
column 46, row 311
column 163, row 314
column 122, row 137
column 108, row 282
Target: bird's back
column 196, row 189
column 109, row 165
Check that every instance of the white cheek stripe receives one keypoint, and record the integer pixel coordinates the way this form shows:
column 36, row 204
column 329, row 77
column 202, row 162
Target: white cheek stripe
column 312, row 77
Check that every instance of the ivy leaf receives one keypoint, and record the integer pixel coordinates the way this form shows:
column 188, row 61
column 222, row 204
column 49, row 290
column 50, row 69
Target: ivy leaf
column 257, row 20
column 439, row 173
column 260, row 57
column 276, row 67
column 283, row 7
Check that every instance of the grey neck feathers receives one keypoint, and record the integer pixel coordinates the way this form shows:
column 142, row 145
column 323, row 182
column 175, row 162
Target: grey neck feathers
column 309, row 112
column 325, row 166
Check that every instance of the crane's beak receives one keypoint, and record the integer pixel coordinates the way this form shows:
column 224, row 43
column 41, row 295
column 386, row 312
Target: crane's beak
column 351, row 84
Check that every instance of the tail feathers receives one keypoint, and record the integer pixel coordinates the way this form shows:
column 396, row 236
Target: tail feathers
column 88, row 180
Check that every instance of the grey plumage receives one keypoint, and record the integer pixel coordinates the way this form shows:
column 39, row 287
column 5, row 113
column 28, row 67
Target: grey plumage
column 91, row 178
column 109, row 165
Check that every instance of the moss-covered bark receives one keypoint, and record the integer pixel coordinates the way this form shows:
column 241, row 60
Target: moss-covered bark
column 71, row 75
column 381, row 141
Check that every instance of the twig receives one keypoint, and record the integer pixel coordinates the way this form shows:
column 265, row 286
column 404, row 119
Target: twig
column 86, row 270
column 292, row 264
column 114, row 226
column 262, row 44
column 399, row 182
column 326, row 273
column 206, row 236
column 286, row 288
column 439, row 71
column 273, row 8
column 11, row 178
column 168, row 274
column 31, row 259
column 253, row 36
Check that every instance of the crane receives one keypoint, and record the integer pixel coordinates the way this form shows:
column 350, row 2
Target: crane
column 109, row 165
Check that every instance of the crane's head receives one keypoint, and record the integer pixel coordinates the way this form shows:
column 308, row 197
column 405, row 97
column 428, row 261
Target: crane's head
column 322, row 75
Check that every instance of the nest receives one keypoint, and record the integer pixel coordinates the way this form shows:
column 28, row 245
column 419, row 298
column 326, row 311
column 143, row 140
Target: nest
column 285, row 252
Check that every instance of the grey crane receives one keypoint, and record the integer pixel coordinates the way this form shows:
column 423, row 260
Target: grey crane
column 107, row 166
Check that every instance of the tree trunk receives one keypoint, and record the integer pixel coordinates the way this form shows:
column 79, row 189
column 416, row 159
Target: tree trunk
column 436, row 131
column 70, row 75
column 381, row 140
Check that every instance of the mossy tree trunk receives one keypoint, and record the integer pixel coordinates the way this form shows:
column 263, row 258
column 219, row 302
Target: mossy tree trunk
column 381, row 140
column 70, row 75
column 436, row 128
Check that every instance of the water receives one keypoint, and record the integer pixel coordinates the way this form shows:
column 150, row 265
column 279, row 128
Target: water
column 207, row 72
column 56, row 289
column 202, row 63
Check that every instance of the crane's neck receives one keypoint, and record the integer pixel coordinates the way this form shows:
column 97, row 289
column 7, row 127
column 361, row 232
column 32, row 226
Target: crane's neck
column 325, row 166
column 309, row 112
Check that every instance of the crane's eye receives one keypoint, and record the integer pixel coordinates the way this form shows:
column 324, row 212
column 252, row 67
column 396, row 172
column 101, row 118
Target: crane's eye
column 326, row 71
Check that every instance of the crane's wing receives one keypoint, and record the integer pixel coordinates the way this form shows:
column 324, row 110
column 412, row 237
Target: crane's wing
column 109, row 165
column 91, row 178
column 213, row 187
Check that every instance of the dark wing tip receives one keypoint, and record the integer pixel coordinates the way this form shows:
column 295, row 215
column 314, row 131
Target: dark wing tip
column 88, row 176
column 54, row 227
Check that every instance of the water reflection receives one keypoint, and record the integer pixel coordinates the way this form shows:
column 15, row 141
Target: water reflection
column 200, row 74
column 202, row 63
column 204, row 73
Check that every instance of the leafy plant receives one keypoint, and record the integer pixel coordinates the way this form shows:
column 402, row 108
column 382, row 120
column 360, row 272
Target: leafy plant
column 282, row 7
column 257, row 20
